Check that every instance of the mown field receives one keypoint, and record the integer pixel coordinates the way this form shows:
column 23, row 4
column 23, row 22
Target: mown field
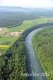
column 43, row 45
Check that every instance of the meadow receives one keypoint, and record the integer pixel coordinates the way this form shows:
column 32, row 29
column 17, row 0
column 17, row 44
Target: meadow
column 28, row 24
column 8, row 34
column 43, row 45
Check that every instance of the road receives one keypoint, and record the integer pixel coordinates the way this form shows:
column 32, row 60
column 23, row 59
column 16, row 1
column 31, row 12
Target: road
column 34, row 68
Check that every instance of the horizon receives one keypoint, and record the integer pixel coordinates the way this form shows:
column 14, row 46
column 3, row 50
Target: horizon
column 23, row 7
column 44, row 4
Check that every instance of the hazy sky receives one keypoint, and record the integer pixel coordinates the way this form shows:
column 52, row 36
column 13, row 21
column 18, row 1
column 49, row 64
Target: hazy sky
column 28, row 3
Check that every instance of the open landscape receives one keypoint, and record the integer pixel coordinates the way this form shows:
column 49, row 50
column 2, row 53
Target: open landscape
column 9, row 35
column 17, row 48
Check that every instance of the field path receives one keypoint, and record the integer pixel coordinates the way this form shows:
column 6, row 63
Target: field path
column 34, row 68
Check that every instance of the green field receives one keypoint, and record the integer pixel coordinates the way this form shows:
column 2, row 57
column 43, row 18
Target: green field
column 28, row 24
column 9, row 40
column 5, row 42
column 43, row 45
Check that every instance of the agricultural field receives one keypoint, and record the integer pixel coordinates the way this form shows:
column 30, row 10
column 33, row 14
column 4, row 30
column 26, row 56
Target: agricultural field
column 8, row 35
column 7, row 39
column 43, row 45
column 28, row 24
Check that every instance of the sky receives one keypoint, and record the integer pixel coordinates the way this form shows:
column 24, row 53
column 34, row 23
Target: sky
column 28, row 3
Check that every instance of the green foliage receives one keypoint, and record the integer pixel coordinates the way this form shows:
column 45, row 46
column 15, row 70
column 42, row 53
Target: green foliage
column 13, row 63
column 43, row 44
column 28, row 24
column 6, row 39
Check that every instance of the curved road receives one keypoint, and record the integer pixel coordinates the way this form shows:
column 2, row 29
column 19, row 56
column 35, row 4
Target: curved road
column 34, row 68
